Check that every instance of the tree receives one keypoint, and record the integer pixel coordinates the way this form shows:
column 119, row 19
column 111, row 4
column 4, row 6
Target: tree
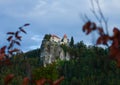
column 47, row 37
column 72, row 42
column 112, row 42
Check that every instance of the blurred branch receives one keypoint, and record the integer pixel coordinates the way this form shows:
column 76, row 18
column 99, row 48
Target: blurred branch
column 101, row 18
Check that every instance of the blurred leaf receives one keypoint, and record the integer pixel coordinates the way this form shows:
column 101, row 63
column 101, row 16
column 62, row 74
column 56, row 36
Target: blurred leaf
column 40, row 81
column 25, row 81
column 2, row 50
column 9, row 38
column 12, row 33
column 16, row 33
column 27, row 24
column 17, row 42
column 8, row 79
column 11, row 44
column 2, row 56
column 22, row 30
column 58, row 81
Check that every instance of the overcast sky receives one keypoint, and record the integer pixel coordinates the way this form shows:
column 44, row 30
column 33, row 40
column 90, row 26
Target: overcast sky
column 57, row 17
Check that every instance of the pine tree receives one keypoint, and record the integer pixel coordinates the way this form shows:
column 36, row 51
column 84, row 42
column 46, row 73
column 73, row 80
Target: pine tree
column 72, row 42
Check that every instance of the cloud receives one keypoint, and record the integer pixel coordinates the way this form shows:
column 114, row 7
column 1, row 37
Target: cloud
column 52, row 16
column 34, row 47
column 37, row 38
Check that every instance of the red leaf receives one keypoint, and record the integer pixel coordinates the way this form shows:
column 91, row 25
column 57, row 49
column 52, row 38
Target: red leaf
column 116, row 32
column 12, row 33
column 14, row 50
column 22, row 30
column 113, row 51
column 2, row 56
column 7, row 62
column 99, row 40
column 89, row 27
column 2, row 50
column 103, row 39
column 9, row 38
column 18, row 43
column 11, row 45
column 27, row 24
column 58, row 81
column 25, row 81
column 16, row 33
column 40, row 82
column 8, row 79
column 100, row 30
column 86, row 26
column 19, row 37
column 94, row 26
column 117, row 58
column 115, row 43
column 88, row 31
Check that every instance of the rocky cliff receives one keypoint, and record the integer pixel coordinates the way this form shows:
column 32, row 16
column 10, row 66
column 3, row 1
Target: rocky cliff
column 51, row 51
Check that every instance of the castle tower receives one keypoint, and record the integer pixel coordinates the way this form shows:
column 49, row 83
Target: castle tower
column 65, row 40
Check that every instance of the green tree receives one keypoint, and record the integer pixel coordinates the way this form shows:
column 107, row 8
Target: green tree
column 72, row 42
column 47, row 37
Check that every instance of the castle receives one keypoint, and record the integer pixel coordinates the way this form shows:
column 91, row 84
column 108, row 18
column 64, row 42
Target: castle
column 51, row 49
column 56, row 39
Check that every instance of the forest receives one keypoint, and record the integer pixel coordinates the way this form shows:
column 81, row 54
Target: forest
column 90, row 64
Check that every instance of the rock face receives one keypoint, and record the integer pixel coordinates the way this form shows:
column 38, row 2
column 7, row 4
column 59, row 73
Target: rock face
column 51, row 51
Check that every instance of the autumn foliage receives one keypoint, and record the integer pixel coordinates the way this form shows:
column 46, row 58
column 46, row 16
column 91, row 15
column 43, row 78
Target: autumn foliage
column 113, row 42
column 14, row 38
column 8, row 78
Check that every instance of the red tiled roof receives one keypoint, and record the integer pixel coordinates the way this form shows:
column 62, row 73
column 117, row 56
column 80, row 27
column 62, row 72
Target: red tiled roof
column 65, row 36
column 55, row 36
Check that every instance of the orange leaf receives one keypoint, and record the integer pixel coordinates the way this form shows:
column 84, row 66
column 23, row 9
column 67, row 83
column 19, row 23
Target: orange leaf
column 8, row 79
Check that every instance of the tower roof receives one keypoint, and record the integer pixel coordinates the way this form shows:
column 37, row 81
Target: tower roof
column 65, row 36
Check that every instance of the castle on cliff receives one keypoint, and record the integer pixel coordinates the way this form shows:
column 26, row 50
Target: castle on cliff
column 51, row 49
column 55, row 38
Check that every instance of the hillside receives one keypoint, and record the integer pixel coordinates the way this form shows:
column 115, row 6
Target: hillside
column 89, row 65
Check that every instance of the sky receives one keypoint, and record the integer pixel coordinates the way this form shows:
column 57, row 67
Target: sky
column 57, row 17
